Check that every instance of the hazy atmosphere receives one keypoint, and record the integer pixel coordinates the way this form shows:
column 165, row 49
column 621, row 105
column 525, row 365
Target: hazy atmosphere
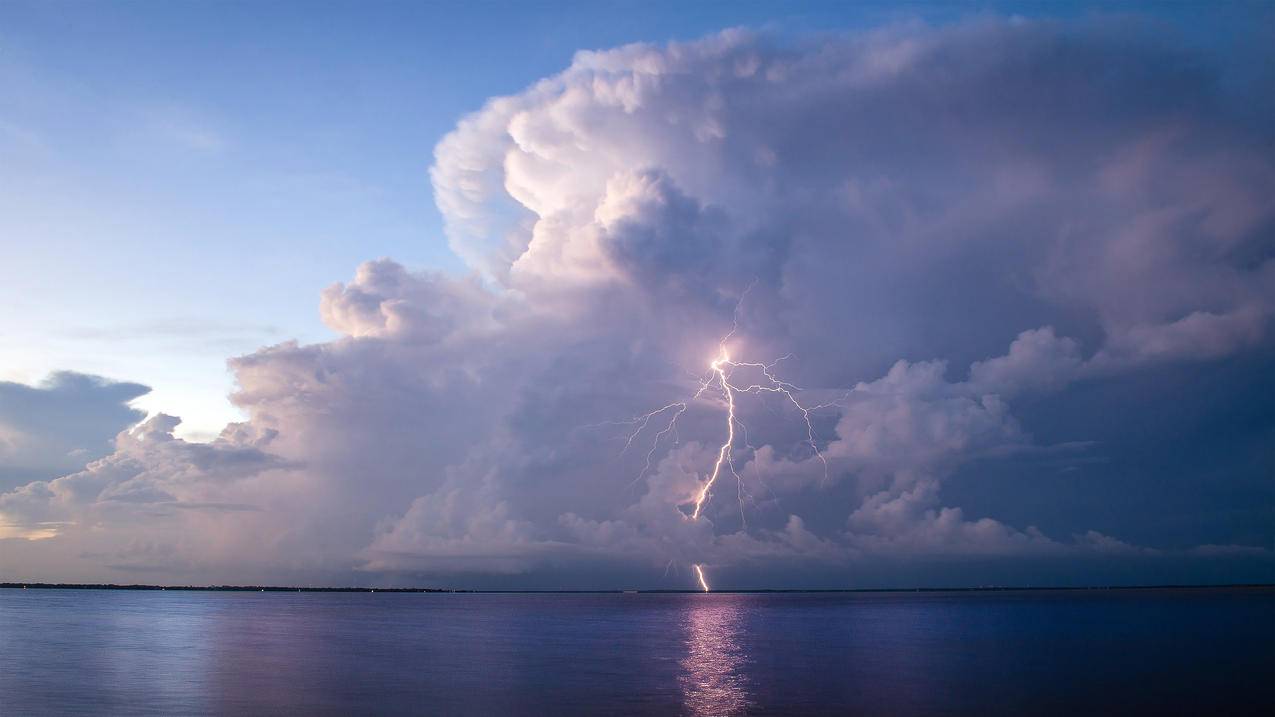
column 794, row 295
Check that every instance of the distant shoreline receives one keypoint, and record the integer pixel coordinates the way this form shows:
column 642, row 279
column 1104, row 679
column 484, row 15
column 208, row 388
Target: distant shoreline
column 302, row 589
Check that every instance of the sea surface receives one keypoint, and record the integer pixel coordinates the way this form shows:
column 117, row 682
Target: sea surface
column 1012, row 653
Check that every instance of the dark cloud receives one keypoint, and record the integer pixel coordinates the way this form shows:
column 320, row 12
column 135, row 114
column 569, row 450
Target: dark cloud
column 998, row 253
column 61, row 424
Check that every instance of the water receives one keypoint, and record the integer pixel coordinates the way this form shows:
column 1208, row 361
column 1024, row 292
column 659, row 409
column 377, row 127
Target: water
column 1187, row 651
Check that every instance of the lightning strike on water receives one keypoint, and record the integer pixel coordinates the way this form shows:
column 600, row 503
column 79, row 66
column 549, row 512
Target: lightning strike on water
column 718, row 380
column 699, row 573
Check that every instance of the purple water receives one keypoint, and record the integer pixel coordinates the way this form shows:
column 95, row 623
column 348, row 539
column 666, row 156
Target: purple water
column 1038, row 652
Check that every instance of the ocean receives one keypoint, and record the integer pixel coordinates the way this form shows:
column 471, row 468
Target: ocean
column 1169, row 651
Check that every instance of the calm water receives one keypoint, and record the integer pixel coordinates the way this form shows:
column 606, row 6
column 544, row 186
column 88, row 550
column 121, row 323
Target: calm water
column 893, row 653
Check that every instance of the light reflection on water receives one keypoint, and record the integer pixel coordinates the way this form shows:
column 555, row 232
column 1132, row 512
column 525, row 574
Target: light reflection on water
column 174, row 653
column 713, row 679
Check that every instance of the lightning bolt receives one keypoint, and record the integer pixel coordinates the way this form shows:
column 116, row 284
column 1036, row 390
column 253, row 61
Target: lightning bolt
column 718, row 380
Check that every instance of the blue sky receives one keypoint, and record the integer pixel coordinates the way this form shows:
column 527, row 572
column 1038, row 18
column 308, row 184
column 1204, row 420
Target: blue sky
column 182, row 179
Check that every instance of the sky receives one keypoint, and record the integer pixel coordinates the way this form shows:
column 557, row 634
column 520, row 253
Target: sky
column 383, row 293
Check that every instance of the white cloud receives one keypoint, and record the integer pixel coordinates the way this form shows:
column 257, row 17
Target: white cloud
column 904, row 205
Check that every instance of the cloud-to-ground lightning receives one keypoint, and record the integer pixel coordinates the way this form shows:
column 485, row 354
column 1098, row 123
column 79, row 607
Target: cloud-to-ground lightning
column 722, row 368
column 719, row 380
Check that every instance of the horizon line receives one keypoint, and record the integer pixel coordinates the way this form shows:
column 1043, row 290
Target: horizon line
column 616, row 591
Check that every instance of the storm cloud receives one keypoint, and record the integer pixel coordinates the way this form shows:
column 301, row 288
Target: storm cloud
column 946, row 231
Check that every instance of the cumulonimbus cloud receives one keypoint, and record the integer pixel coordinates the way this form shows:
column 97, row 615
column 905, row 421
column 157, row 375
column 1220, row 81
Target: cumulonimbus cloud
column 934, row 222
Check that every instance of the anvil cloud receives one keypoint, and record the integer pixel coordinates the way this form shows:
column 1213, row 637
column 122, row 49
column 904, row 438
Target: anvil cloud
column 939, row 225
